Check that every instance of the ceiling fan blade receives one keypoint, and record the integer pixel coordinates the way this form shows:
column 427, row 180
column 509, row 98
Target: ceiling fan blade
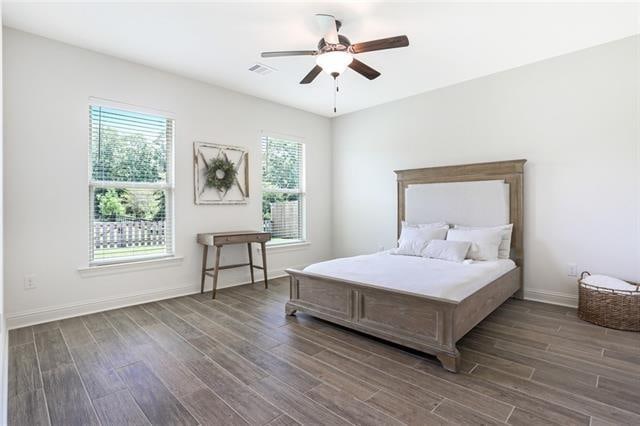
column 383, row 43
column 312, row 75
column 364, row 69
column 329, row 28
column 289, row 53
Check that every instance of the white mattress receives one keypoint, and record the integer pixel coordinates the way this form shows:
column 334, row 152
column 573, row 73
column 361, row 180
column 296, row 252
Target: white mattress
column 416, row 275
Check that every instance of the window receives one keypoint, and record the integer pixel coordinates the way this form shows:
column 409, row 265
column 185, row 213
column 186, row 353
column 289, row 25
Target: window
column 130, row 185
column 283, row 190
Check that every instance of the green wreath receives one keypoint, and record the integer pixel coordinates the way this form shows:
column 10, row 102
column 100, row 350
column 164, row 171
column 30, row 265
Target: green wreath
column 221, row 174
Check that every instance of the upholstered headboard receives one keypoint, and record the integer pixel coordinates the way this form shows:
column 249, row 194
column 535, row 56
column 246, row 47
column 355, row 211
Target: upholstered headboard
column 474, row 203
column 497, row 186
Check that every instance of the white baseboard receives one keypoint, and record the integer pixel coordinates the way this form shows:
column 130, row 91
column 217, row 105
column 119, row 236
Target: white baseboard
column 41, row 315
column 552, row 297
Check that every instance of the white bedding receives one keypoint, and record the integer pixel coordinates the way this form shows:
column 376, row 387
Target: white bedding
column 417, row 275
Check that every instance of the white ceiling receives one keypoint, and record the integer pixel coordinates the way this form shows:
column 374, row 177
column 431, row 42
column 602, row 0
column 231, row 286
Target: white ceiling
column 218, row 42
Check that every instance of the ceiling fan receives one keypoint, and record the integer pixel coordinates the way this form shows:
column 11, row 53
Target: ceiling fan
column 335, row 52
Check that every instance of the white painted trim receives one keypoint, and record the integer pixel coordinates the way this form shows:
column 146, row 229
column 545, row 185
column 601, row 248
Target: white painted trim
column 279, row 135
column 552, row 297
column 108, row 103
column 137, row 265
column 41, row 315
column 285, row 247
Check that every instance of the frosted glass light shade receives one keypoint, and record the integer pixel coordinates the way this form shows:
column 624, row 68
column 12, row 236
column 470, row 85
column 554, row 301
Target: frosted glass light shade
column 334, row 62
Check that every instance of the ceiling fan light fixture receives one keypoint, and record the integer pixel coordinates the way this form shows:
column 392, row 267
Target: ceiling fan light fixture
column 335, row 62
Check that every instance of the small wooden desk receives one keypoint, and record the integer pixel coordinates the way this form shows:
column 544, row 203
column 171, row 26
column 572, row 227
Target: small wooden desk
column 219, row 239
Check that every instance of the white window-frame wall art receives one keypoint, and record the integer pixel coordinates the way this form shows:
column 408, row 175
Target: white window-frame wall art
column 206, row 152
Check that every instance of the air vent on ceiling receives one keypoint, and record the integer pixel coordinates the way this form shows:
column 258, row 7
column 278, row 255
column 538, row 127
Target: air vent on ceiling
column 261, row 69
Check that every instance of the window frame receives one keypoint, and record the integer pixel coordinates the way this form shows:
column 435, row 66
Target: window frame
column 168, row 186
column 301, row 191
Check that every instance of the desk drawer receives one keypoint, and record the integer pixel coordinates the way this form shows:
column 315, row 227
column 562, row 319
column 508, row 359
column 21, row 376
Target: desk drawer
column 239, row 239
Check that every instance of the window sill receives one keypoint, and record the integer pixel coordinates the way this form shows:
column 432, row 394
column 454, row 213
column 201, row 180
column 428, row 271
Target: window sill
column 130, row 266
column 286, row 246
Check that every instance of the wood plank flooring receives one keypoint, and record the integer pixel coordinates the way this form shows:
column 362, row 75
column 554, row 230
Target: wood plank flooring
column 239, row 360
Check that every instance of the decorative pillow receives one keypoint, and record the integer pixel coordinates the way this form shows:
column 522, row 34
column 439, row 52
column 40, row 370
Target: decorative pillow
column 455, row 251
column 504, row 251
column 414, row 239
column 484, row 242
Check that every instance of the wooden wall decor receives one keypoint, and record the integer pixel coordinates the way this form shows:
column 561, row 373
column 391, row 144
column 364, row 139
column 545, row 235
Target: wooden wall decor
column 204, row 154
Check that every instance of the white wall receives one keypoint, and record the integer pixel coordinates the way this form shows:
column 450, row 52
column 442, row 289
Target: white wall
column 574, row 117
column 4, row 338
column 47, row 86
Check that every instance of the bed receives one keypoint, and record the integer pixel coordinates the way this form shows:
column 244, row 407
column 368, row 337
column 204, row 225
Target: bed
column 425, row 304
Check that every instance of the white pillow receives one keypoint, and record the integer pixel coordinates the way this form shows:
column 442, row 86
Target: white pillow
column 504, row 251
column 455, row 251
column 484, row 242
column 414, row 239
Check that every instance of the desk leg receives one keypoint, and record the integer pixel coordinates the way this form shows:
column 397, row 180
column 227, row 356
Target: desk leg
column 205, row 250
column 264, row 263
column 215, row 272
column 251, row 262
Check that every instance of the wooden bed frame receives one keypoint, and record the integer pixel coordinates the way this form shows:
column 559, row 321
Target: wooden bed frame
column 428, row 324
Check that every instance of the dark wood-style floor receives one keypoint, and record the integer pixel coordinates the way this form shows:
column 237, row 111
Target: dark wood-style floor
column 239, row 360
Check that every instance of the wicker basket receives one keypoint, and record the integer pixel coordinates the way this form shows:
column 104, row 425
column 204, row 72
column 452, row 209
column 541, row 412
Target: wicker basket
column 610, row 308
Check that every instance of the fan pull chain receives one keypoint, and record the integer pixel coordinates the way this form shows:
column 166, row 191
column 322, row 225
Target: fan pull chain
column 335, row 94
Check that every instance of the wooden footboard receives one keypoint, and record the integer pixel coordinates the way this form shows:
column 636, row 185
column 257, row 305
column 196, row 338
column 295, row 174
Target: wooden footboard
column 427, row 324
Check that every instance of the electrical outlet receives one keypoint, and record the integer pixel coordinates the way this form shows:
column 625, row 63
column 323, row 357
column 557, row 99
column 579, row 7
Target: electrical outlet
column 29, row 282
column 572, row 270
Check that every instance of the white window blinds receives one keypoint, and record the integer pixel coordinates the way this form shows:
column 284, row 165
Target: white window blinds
column 130, row 185
column 283, row 197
